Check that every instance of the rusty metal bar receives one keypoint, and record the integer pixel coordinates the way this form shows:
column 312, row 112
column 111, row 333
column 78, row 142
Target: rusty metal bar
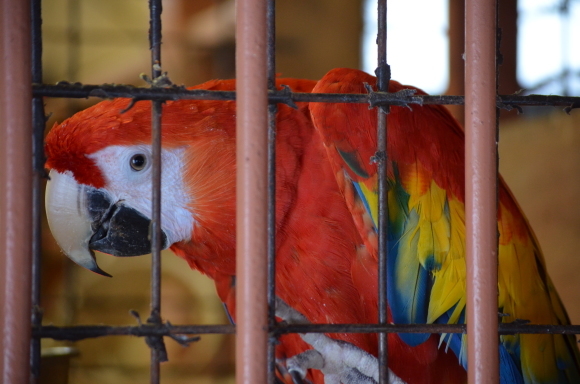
column 108, row 91
column 15, row 191
column 81, row 332
column 272, row 111
column 481, row 191
column 383, row 73
column 158, row 352
column 73, row 37
column 38, row 123
column 252, row 239
column 504, row 328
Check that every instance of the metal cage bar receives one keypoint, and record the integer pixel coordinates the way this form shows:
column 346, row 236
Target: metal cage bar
column 383, row 78
column 271, row 226
column 38, row 123
column 481, row 191
column 105, row 91
column 251, row 191
column 81, row 332
column 158, row 352
column 15, row 190
column 255, row 48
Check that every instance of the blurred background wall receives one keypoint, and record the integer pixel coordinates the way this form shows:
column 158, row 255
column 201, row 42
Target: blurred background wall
column 105, row 41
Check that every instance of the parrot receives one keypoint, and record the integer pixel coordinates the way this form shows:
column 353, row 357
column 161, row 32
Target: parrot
column 98, row 198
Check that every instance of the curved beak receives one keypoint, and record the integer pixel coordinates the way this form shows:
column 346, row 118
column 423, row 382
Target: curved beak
column 84, row 219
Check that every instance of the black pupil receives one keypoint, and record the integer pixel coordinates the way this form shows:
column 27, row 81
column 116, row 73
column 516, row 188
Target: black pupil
column 138, row 162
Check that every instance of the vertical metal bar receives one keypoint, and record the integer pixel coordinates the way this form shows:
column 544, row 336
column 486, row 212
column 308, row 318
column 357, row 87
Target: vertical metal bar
column 382, row 44
column 456, row 33
column 155, row 306
column 38, row 123
column 157, row 350
column 271, row 42
column 73, row 34
column 251, row 226
column 481, row 191
column 73, row 51
column 383, row 78
column 564, row 16
column 15, row 190
column 272, row 110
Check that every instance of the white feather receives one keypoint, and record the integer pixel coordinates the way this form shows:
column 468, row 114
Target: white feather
column 134, row 187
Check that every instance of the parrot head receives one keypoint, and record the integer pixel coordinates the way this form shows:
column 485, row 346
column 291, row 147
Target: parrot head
column 98, row 196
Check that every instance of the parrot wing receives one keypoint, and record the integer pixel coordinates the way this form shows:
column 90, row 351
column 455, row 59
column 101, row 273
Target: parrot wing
column 426, row 229
column 326, row 211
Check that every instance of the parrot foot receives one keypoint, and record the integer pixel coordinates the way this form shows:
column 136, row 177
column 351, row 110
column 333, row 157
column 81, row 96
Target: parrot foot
column 339, row 361
column 336, row 363
column 297, row 375
column 298, row 365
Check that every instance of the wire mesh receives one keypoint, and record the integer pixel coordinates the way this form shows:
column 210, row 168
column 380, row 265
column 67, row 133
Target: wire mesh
column 155, row 330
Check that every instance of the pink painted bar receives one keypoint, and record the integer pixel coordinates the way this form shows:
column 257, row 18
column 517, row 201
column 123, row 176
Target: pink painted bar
column 480, row 191
column 251, row 251
column 15, row 191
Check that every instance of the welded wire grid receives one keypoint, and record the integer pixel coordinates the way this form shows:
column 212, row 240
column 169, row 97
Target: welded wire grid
column 154, row 330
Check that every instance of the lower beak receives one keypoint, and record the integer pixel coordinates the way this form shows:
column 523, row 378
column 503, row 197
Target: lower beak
column 84, row 219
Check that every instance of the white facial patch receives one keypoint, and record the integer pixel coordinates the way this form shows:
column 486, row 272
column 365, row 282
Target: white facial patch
column 132, row 185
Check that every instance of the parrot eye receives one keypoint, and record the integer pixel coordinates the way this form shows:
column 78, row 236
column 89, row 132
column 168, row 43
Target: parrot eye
column 138, row 162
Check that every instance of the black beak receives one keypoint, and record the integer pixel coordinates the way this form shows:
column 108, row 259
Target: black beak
column 119, row 230
column 84, row 219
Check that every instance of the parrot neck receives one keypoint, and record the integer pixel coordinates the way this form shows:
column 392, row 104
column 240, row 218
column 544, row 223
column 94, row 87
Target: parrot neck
column 209, row 253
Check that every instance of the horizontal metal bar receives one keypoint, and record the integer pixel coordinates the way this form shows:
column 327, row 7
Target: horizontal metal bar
column 80, row 332
column 107, row 91
column 504, row 328
column 369, row 328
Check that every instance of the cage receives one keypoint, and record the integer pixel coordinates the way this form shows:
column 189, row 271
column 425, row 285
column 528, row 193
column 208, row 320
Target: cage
column 256, row 19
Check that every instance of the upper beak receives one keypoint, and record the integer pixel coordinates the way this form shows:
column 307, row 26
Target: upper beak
column 84, row 219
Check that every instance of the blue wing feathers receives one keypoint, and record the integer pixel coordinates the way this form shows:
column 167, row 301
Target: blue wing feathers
column 361, row 195
column 409, row 284
column 509, row 369
column 408, row 299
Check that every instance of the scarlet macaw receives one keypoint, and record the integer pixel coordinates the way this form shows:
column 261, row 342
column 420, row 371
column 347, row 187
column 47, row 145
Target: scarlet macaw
column 326, row 211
